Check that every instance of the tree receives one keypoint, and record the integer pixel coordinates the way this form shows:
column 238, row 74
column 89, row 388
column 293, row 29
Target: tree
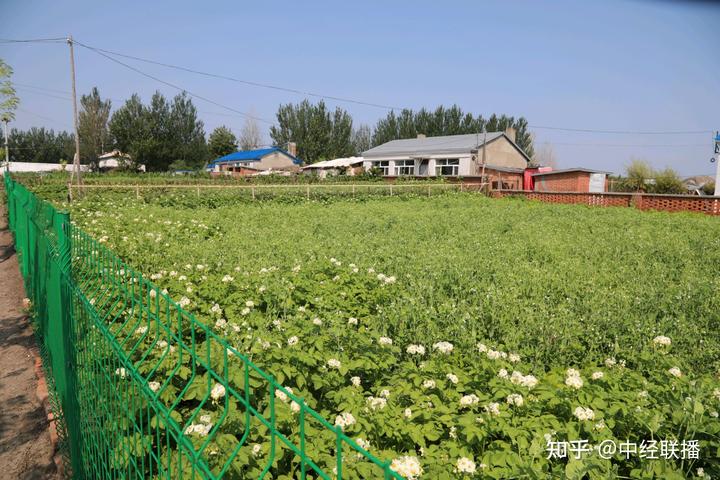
column 250, row 137
column 188, row 148
column 638, row 173
column 319, row 135
column 221, row 142
column 361, row 139
column 8, row 99
column 668, row 181
column 40, row 145
column 161, row 134
column 93, row 127
column 448, row 121
column 545, row 156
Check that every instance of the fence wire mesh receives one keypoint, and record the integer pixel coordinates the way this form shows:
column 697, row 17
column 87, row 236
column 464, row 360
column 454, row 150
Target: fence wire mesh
column 142, row 389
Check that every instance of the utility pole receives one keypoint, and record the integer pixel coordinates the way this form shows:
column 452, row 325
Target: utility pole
column 76, row 160
column 717, row 164
column 7, row 150
column 482, row 175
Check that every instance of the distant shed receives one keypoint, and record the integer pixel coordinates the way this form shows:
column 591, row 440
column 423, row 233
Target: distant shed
column 571, row 180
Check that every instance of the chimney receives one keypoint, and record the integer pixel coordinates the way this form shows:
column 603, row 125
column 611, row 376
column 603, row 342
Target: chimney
column 292, row 148
column 421, row 135
column 510, row 132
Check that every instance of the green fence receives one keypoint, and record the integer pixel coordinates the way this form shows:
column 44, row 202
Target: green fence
column 141, row 389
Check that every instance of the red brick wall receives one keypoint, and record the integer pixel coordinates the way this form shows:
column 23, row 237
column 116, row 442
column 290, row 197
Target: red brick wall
column 563, row 182
column 667, row 203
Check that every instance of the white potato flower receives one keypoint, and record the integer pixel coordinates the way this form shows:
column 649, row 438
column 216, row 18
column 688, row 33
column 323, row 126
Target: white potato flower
column 292, row 340
column 452, row 377
column 597, row 375
column 217, row 392
column 385, row 341
column 344, row 420
column 515, row 399
column 444, row 347
column 465, row 465
column 376, row 403
column 352, row 321
column 334, row 363
column 154, row 386
column 583, row 413
column 469, row 400
column 675, row 372
column 355, row 381
column 256, row 450
column 415, row 350
column 407, row 413
column 662, row 340
column 407, row 467
column 428, row 384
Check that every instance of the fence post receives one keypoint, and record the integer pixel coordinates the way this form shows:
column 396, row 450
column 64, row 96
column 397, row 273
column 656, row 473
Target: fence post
column 137, row 192
column 60, row 339
column 308, row 191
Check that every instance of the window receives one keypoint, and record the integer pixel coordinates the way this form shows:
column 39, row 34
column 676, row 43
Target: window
column 384, row 168
column 405, row 167
column 447, row 167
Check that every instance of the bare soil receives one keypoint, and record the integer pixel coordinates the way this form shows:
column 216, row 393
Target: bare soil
column 26, row 449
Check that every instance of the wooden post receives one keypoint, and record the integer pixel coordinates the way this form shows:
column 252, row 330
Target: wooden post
column 353, row 189
column 307, row 190
column 391, row 192
column 198, row 190
column 252, row 189
column 428, row 190
column 137, row 192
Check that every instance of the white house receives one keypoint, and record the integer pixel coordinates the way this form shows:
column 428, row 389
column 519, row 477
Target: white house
column 447, row 156
column 338, row 166
column 114, row 160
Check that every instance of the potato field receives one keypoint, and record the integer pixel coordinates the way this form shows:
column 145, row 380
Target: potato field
column 455, row 336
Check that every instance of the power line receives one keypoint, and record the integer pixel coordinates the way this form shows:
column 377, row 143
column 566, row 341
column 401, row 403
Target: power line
column 53, row 90
column 360, row 102
column 109, row 54
column 44, row 94
column 627, row 144
column 622, row 132
column 199, row 97
column 34, row 40
column 246, row 82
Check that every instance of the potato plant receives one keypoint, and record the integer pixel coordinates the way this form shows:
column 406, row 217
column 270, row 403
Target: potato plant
column 456, row 336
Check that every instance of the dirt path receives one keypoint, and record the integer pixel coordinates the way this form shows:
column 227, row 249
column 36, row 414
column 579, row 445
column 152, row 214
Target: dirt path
column 26, row 451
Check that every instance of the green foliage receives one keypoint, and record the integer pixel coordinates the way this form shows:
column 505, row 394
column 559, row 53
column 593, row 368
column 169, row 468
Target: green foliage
column 668, row 181
column 709, row 188
column 93, row 127
column 8, row 98
column 319, row 133
column 535, row 289
column 448, row 121
column 539, row 323
column 41, row 145
column 638, row 173
column 361, row 139
column 161, row 133
column 221, row 142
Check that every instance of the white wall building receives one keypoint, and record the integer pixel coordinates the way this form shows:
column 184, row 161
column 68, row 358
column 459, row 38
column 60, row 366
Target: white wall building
column 449, row 156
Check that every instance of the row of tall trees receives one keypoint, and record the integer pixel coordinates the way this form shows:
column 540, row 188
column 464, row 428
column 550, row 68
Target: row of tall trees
column 160, row 135
column 41, row 146
column 321, row 133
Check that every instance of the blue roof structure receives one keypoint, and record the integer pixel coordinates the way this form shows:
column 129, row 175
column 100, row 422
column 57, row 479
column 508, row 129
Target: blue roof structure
column 251, row 156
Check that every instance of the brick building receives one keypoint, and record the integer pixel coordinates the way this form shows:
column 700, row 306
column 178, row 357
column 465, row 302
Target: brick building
column 571, row 180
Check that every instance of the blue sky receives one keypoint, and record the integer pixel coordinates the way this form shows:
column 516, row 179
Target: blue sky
column 610, row 65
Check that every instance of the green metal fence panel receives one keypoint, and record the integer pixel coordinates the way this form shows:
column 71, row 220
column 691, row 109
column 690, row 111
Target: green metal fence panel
column 141, row 389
